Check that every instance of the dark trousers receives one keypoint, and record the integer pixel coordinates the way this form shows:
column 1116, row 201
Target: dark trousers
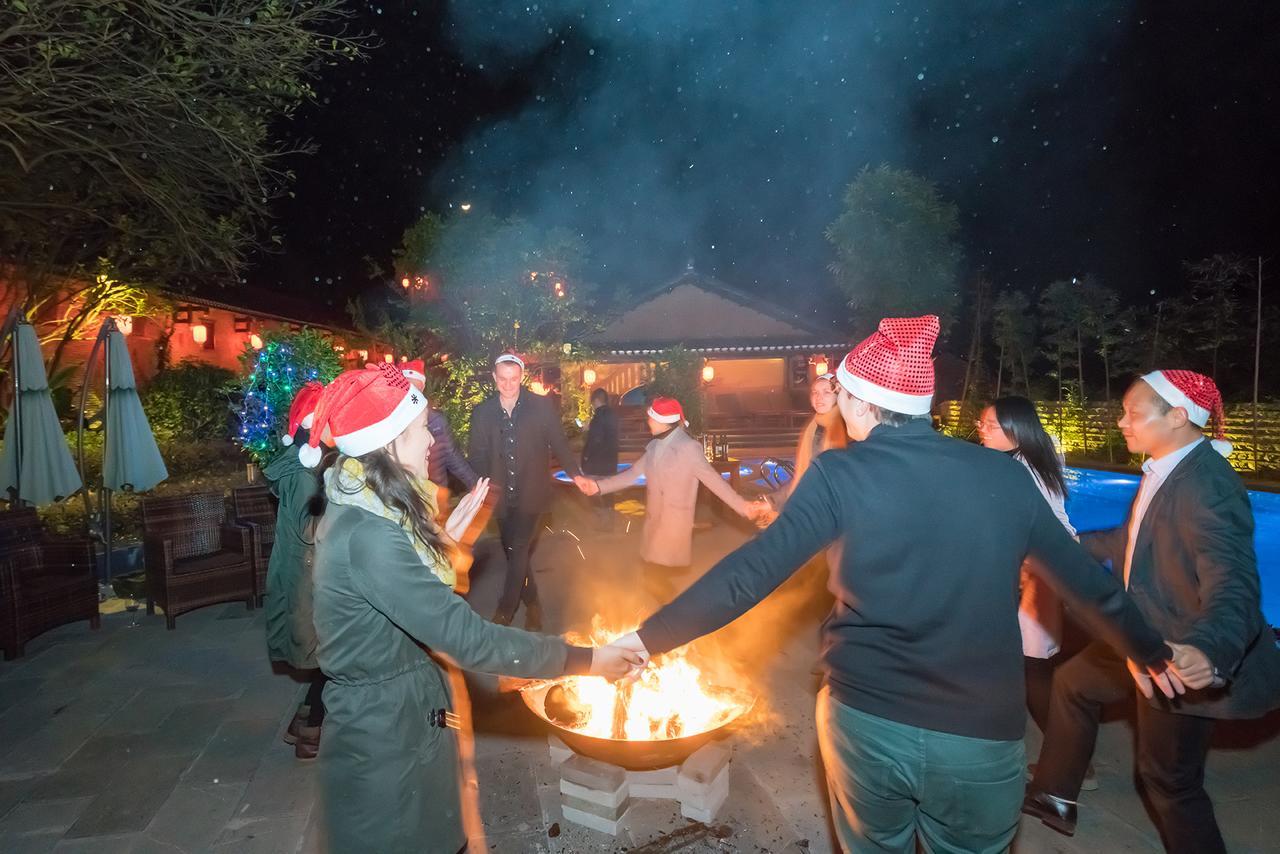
column 519, row 531
column 1039, row 678
column 1171, row 749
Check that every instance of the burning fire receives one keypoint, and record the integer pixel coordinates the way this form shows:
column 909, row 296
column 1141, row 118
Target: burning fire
column 671, row 699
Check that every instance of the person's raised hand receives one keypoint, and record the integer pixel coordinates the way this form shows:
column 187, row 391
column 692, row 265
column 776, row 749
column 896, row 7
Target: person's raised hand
column 460, row 519
column 615, row 662
column 1192, row 666
column 586, row 485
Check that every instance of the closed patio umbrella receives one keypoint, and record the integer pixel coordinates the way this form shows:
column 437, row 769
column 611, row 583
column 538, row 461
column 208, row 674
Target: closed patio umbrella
column 130, row 458
column 35, row 463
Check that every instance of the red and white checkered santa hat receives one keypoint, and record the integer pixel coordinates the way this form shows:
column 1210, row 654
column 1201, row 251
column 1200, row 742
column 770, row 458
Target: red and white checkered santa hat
column 667, row 410
column 302, row 411
column 893, row 366
column 363, row 411
column 1199, row 396
column 416, row 371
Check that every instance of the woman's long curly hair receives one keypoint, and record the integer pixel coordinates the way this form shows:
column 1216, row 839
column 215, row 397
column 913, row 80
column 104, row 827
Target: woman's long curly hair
column 389, row 480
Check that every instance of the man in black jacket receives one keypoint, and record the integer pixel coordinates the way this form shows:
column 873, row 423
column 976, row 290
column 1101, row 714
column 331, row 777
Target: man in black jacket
column 1186, row 556
column 513, row 434
column 600, row 451
column 921, row 719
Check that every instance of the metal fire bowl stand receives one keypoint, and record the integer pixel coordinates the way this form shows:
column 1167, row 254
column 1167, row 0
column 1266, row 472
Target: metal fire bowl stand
column 632, row 755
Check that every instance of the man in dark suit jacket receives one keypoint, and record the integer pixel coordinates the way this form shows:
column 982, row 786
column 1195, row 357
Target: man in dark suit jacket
column 513, row 434
column 1186, row 556
column 921, row 719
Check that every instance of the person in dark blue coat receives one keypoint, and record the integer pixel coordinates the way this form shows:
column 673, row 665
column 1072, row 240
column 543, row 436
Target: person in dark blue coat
column 600, row 450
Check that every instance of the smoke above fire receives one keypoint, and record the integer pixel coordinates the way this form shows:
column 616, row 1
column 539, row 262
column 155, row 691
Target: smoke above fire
column 725, row 133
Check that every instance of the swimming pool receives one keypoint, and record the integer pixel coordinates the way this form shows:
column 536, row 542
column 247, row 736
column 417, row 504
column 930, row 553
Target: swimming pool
column 1101, row 499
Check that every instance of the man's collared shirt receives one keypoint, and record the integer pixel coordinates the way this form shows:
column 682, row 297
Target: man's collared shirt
column 1154, row 474
column 507, row 431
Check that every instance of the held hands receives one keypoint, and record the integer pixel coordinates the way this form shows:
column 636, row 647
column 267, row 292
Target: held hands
column 460, row 519
column 1193, row 667
column 615, row 662
column 1148, row 679
column 586, row 485
column 761, row 512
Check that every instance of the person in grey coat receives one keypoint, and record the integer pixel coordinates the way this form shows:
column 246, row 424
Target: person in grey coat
column 673, row 465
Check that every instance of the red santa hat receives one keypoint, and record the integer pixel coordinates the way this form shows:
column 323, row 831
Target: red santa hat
column 302, row 411
column 1199, row 396
column 667, row 410
column 416, row 371
column 362, row 411
column 893, row 366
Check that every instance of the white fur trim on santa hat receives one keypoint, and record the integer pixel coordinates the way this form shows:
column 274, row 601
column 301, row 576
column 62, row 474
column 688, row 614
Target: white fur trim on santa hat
column 894, row 401
column 1174, row 396
column 1222, row 446
column 414, row 375
column 377, row 435
column 509, row 357
column 673, row 418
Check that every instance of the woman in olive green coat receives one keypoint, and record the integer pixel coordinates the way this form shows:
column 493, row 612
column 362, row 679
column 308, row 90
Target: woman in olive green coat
column 291, row 635
column 389, row 771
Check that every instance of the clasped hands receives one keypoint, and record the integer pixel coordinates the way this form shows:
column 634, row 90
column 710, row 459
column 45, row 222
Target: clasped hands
column 1189, row 668
column 587, row 485
column 624, row 658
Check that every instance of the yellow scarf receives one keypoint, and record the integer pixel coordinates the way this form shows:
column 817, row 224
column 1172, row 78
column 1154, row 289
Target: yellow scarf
column 349, row 488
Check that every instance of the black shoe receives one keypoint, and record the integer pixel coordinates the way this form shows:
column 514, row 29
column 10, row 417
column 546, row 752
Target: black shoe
column 1054, row 812
column 501, row 619
column 533, row 616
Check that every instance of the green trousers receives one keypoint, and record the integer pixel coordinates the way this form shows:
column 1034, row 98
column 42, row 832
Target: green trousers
column 890, row 783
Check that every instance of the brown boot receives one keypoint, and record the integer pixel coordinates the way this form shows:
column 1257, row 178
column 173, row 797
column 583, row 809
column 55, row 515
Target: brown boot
column 308, row 745
column 298, row 722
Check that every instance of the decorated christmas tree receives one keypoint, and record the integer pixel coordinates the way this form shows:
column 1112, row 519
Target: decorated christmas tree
column 272, row 376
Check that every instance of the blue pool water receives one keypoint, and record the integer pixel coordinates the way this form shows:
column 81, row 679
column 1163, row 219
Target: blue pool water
column 1100, row 499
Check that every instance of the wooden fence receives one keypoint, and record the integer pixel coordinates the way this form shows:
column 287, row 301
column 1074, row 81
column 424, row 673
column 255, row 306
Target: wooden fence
column 1090, row 431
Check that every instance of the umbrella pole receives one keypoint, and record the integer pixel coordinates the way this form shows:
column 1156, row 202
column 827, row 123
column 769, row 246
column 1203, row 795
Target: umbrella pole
column 84, row 400
column 108, row 327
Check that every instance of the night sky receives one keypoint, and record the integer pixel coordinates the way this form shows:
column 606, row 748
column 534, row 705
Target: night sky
column 1113, row 138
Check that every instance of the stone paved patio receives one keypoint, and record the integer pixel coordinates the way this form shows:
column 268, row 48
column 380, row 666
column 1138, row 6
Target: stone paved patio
column 134, row 739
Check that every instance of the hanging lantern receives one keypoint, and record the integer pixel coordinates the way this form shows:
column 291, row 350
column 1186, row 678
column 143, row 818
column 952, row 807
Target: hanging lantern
column 820, row 366
column 404, row 283
column 124, row 323
column 255, row 341
column 708, row 373
column 588, row 376
column 538, row 388
column 199, row 333
column 389, row 359
column 364, row 355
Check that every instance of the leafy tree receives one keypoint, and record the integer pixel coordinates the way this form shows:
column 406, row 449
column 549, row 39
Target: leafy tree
column 1014, row 332
column 897, row 248
column 1217, row 283
column 679, row 375
column 136, row 137
column 1063, row 315
column 1107, row 327
column 492, row 284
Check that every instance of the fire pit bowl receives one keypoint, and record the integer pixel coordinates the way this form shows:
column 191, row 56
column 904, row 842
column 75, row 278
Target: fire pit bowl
column 634, row 755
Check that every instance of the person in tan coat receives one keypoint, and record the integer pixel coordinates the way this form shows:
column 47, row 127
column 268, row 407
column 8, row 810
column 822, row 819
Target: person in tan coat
column 673, row 465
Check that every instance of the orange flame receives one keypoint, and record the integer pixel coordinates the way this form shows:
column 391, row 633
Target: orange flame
column 671, row 698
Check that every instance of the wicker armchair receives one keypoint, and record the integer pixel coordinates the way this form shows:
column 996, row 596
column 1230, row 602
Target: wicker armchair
column 44, row 582
column 194, row 556
column 255, row 508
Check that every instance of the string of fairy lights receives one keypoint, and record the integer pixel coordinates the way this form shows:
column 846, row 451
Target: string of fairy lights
column 269, row 393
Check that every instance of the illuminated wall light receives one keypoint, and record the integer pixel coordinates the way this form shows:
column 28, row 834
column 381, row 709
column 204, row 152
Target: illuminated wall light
column 364, row 355
column 538, row 388
column 708, row 373
column 404, row 359
column 124, row 323
column 255, row 341
column 588, row 376
column 404, row 283
column 820, row 367
column 389, row 359
column 199, row 333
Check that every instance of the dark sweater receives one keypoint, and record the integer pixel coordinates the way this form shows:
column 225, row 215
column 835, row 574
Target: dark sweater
column 924, row 630
column 600, row 450
column 538, row 435
column 444, row 458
